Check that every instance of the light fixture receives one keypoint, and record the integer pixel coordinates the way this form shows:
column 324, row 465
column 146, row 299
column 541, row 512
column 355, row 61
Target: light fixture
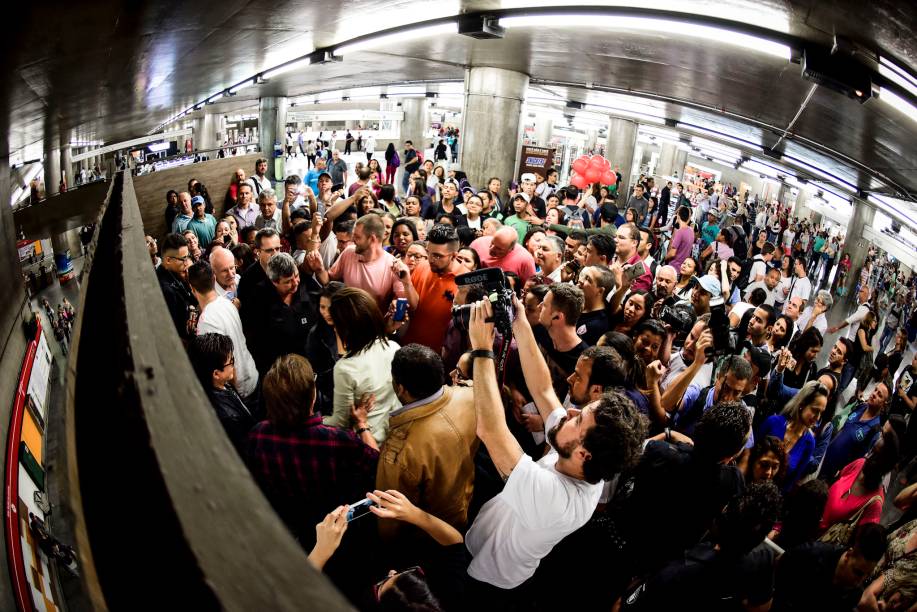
column 898, row 75
column 372, row 40
column 715, row 146
column 283, row 68
column 214, row 98
column 650, row 24
column 406, row 90
column 239, row 87
column 718, row 136
column 899, row 103
column 824, row 174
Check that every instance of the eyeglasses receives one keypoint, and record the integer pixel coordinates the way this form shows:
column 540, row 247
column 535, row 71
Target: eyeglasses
column 378, row 586
column 416, row 256
column 185, row 258
column 232, row 362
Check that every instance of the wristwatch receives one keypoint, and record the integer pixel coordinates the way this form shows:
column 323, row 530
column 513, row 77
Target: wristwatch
column 482, row 353
column 360, row 431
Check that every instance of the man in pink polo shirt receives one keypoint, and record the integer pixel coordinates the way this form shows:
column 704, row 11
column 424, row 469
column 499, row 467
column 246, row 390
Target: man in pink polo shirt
column 364, row 264
column 502, row 250
column 626, row 240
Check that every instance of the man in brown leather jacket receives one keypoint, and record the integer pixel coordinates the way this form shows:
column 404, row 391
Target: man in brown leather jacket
column 429, row 452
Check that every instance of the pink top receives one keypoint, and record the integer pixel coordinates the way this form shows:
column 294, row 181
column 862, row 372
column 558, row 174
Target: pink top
column 518, row 260
column 838, row 508
column 375, row 277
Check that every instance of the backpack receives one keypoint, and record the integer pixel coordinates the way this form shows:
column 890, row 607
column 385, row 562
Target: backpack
column 744, row 278
column 396, row 160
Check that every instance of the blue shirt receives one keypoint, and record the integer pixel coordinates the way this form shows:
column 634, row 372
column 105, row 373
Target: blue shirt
column 852, row 442
column 311, row 179
column 204, row 229
column 799, row 455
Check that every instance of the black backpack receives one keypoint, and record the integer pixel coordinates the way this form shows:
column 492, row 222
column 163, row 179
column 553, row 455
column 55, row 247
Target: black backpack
column 744, row 279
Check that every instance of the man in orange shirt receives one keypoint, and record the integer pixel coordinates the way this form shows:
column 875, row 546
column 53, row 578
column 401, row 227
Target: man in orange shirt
column 431, row 288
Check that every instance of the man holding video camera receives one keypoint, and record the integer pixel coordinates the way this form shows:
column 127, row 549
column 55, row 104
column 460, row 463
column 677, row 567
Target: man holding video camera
column 545, row 501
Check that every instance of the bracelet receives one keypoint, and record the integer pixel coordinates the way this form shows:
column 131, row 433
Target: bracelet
column 360, row 431
column 482, row 353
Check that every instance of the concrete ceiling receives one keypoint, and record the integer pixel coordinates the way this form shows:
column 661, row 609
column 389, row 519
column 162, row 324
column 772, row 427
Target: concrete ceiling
column 114, row 70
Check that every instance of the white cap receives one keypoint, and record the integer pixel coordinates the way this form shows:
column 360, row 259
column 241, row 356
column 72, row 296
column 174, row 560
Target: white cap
column 528, row 176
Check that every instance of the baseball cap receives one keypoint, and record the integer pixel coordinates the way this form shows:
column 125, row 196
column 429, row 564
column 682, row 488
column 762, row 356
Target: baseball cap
column 528, row 176
column 714, row 213
column 521, row 195
column 711, row 284
column 197, row 200
column 451, row 181
column 321, row 174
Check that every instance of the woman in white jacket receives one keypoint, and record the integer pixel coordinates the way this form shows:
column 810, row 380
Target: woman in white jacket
column 366, row 367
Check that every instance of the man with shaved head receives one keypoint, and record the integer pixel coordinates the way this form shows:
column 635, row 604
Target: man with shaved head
column 226, row 280
column 502, row 250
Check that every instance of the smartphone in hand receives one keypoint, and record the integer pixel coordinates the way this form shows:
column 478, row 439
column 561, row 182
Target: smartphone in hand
column 359, row 509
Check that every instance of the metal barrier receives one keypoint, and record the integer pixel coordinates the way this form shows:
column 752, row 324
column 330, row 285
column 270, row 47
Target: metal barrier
column 166, row 515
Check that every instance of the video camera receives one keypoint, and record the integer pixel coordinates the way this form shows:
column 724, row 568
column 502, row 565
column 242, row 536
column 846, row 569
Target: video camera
column 724, row 343
column 497, row 291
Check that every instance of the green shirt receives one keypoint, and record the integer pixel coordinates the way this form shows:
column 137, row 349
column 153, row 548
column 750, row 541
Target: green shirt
column 204, row 229
column 517, row 224
column 819, row 243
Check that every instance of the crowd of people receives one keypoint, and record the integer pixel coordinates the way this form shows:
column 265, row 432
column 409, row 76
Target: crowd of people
column 654, row 419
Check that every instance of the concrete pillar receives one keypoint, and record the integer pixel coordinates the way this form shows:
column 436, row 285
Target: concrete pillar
column 666, row 159
column 622, row 138
column 60, row 244
column 491, row 123
column 204, row 132
column 414, row 125
column 66, row 162
column 52, row 167
column 678, row 166
column 272, row 121
column 854, row 243
column 544, row 127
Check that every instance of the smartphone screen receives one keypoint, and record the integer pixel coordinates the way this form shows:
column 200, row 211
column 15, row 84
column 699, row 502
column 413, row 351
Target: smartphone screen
column 359, row 509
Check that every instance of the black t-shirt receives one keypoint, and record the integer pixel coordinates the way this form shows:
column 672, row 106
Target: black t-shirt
column 278, row 329
column 908, row 381
column 706, row 580
column 592, row 325
column 246, row 292
column 560, row 364
column 805, row 577
column 179, row 299
column 673, row 498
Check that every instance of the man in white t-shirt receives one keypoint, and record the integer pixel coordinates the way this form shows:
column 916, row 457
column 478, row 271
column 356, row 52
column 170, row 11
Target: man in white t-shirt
column 800, row 285
column 761, row 260
column 542, row 502
column 220, row 316
column 853, row 321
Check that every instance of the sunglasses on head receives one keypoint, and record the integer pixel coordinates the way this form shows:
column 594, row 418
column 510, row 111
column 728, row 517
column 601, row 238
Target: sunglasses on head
column 378, row 586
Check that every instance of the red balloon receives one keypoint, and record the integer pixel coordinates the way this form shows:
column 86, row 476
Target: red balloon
column 593, row 174
column 579, row 165
column 606, row 163
column 579, row 181
column 608, row 178
column 596, row 162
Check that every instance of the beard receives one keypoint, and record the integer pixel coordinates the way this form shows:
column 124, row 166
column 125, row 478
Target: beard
column 564, row 451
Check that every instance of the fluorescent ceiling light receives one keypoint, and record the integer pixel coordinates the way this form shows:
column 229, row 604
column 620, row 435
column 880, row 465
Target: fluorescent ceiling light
column 237, row 88
column 652, row 25
column 329, row 96
column 398, row 38
column 715, row 146
column 157, row 147
column 406, row 90
column 303, row 61
column 755, row 168
column 898, row 75
column 667, row 134
column 893, row 205
column 825, row 175
column 214, row 97
column 726, row 137
column 898, row 102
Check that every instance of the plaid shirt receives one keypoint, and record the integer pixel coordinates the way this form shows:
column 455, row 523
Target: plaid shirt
column 306, row 472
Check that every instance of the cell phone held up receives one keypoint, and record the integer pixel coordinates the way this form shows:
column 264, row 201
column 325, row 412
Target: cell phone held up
column 359, row 509
column 634, row 271
column 401, row 308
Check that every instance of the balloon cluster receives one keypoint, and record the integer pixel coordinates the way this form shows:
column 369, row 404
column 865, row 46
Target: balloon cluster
column 594, row 169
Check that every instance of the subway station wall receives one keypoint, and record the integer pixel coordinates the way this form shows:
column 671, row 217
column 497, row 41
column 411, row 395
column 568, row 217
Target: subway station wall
column 214, row 174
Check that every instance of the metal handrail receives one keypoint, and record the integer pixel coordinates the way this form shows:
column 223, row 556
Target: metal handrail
column 165, row 513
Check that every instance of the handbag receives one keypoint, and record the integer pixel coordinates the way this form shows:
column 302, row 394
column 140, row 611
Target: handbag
column 839, row 533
